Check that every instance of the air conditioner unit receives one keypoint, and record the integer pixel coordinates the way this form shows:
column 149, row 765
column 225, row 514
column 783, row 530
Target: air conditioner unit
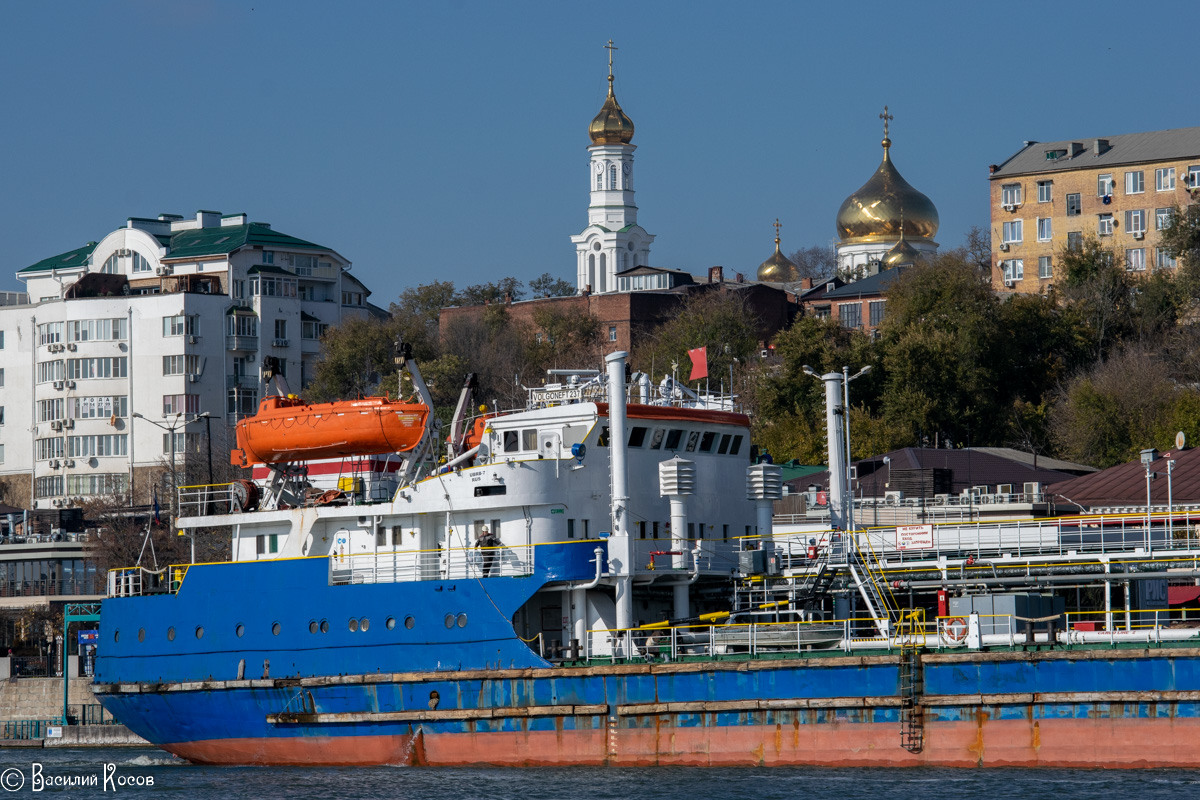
column 58, row 384
column 1004, row 247
column 70, row 384
column 1009, row 282
column 57, row 502
column 56, row 425
column 54, row 463
column 72, row 346
column 893, row 497
column 70, row 462
column 1004, row 488
column 162, row 272
column 1139, row 234
column 68, row 424
column 280, row 343
column 1010, row 207
column 193, row 378
column 1033, row 488
column 191, row 339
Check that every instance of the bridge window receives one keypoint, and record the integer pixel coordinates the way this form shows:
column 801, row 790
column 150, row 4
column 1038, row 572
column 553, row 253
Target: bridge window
column 693, row 439
column 637, row 436
column 529, row 439
column 736, row 447
column 570, row 529
column 706, row 442
column 723, row 447
column 602, row 439
column 642, row 529
column 511, row 442
column 654, row 530
column 673, row 439
column 656, row 439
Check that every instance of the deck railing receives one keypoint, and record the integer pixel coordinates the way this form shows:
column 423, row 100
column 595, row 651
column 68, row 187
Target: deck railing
column 426, row 565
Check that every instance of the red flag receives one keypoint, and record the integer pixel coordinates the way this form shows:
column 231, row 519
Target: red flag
column 699, row 358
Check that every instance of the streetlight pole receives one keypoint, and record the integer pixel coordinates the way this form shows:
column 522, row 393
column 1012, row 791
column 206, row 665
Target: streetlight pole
column 170, row 427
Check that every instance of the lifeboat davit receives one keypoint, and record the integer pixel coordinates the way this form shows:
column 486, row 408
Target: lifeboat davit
column 288, row 429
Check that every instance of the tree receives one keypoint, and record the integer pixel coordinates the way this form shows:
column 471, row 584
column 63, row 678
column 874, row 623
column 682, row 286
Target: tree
column 818, row 262
column 1181, row 239
column 1096, row 284
column 495, row 292
column 357, row 359
column 564, row 338
column 718, row 320
column 546, row 285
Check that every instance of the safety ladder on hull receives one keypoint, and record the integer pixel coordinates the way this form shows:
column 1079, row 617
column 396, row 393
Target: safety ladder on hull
column 910, row 634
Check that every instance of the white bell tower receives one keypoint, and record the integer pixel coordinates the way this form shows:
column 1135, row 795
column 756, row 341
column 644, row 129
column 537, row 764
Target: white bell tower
column 612, row 241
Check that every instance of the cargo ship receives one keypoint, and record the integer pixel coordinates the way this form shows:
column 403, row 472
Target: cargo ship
column 595, row 579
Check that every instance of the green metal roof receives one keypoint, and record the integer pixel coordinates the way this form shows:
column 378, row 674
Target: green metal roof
column 268, row 269
column 227, row 238
column 72, row 260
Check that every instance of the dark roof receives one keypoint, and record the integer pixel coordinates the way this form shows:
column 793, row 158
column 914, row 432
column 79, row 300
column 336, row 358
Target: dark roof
column 647, row 270
column 307, row 317
column 969, row 467
column 1041, row 461
column 817, row 292
column 1125, row 484
column 69, row 260
column 1128, row 148
column 873, row 286
column 268, row 269
column 227, row 238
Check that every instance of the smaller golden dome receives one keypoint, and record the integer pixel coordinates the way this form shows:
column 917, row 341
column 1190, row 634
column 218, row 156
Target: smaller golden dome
column 901, row 254
column 611, row 125
column 778, row 268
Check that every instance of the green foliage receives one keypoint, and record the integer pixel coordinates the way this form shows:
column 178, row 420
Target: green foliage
column 499, row 291
column 546, row 285
column 718, row 320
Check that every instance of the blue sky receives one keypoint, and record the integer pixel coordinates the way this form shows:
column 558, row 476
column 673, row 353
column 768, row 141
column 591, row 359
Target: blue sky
column 447, row 140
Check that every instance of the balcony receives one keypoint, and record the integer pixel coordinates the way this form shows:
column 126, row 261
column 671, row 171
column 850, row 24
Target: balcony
column 249, row 343
column 320, row 273
column 241, row 382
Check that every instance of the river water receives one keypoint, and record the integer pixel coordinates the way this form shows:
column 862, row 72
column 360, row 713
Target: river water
column 152, row 774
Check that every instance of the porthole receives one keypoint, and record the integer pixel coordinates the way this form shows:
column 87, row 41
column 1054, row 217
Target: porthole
column 462, row 620
column 324, row 626
column 312, row 627
column 199, row 631
column 353, row 624
column 449, row 620
column 117, row 635
column 391, row 623
column 170, row 634
column 141, row 634
column 409, row 623
column 240, row 630
column 364, row 623
column 276, row 628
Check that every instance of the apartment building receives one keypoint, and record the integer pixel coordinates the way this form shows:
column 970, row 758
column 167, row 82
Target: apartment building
column 163, row 321
column 1051, row 195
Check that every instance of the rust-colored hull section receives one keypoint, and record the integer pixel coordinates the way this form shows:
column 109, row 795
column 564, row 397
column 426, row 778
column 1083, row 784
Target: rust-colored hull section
column 285, row 429
column 1122, row 742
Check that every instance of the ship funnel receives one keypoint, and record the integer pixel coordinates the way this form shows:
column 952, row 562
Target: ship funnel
column 620, row 553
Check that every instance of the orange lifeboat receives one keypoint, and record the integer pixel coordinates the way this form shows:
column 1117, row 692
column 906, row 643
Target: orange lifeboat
column 288, row 429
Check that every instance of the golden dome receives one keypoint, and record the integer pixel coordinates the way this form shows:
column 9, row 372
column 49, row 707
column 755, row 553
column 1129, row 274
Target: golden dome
column 902, row 254
column 874, row 211
column 611, row 125
column 778, row 268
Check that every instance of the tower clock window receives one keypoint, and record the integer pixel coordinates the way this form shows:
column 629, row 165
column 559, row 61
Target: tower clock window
column 612, row 176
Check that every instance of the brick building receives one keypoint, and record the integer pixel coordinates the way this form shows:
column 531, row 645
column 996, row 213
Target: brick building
column 1050, row 195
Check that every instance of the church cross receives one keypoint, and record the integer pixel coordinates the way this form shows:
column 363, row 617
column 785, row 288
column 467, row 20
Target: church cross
column 777, row 226
column 886, row 117
column 610, row 47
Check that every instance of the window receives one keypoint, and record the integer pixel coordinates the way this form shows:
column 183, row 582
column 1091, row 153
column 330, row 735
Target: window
column 612, row 333
column 181, row 324
column 1013, row 232
column 1164, row 179
column 268, row 256
column 657, row 438
column 1104, row 185
column 599, row 180
column 50, row 410
column 1075, row 240
column 97, row 484
column 637, row 436
column 111, row 265
column 313, row 330
column 181, row 404
column 50, row 333
column 242, row 401
column 736, row 447
column 723, row 447
column 612, row 176
column 352, row 298
column 1162, row 218
column 1, row 376
column 1044, row 229
column 81, row 369
column 707, row 440
column 850, row 315
column 570, row 529
column 49, row 371
column 1135, row 182
column 48, row 448
column 1162, row 258
column 281, row 329
column 1, row 340
column 1135, row 260
column 98, row 330
column 184, row 443
column 1, row 454
column 265, row 286
column 512, row 442
column 1014, row 269
column 102, row 407
column 239, row 289
column 1010, row 194
column 1135, row 221
column 181, row 365
column 48, row 487
column 301, row 265
column 1045, row 269
column 876, row 308
column 1074, row 205
column 242, row 325
column 673, row 438
column 693, row 440
column 1193, row 177
column 529, row 439
column 113, row 444
column 1105, row 225
column 1045, row 191
column 140, row 264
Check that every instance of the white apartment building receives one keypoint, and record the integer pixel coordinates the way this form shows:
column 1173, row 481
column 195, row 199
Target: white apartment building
column 169, row 318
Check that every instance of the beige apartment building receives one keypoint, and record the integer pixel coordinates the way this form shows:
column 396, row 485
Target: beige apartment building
column 1050, row 195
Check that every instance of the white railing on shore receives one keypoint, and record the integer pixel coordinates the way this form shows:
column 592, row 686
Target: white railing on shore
column 428, row 565
column 205, row 500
